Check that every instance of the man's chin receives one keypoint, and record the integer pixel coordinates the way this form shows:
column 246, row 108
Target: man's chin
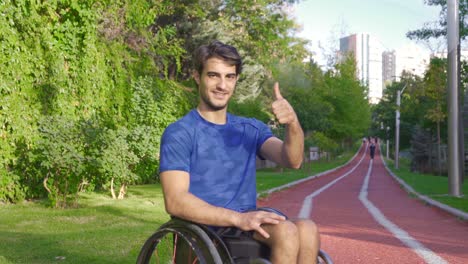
column 218, row 107
column 215, row 105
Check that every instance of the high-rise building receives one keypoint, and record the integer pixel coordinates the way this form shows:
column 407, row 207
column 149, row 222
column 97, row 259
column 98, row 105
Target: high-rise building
column 388, row 67
column 412, row 59
column 368, row 54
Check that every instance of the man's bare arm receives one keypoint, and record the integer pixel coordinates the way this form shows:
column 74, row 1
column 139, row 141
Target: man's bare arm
column 290, row 152
column 181, row 203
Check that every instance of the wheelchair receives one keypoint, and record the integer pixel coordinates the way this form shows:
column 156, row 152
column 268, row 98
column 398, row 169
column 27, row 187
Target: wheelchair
column 182, row 242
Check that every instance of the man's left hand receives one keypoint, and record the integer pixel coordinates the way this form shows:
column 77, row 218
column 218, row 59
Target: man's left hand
column 282, row 109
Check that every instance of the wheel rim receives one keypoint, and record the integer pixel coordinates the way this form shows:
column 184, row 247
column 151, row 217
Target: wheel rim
column 169, row 246
column 179, row 242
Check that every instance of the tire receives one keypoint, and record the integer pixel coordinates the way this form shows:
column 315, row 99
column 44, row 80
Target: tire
column 179, row 241
column 324, row 258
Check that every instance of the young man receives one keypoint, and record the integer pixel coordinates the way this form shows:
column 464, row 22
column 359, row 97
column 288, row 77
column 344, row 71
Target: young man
column 207, row 165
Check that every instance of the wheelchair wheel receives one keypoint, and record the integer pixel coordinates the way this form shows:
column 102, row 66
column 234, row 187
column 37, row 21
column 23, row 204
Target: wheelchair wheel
column 179, row 241
column 324, row 258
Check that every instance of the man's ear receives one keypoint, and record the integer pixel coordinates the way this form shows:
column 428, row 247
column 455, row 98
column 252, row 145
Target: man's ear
column 196, row 76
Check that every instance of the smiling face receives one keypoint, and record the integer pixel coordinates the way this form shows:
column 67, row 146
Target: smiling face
column 216, row 84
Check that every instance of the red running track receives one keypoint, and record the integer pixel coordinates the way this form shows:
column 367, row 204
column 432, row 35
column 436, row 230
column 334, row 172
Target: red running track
column 351, row 234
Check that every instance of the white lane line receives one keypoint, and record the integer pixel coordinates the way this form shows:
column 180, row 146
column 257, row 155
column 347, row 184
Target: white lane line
column 291, row 184
column 306, row 208
column 425, row 253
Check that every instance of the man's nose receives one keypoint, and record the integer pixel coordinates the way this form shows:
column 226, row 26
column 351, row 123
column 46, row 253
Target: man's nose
column 222, row 83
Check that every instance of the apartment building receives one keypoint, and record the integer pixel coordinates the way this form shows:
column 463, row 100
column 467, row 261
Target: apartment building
column 367, row 51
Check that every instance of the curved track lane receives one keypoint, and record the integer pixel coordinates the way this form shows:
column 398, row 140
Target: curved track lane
column 365, row 217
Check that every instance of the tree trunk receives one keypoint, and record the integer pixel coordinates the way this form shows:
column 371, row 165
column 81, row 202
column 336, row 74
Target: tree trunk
column 83, row 183
column 112, row 188
column 123, row 191
column 430, row 168
column 44, row 182
column 65, row 193
column 439, row 167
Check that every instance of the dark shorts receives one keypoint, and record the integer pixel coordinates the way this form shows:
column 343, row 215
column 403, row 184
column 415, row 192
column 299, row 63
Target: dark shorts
column 234, row 232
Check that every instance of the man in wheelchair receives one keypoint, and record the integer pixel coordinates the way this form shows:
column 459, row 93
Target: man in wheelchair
column 207, row 162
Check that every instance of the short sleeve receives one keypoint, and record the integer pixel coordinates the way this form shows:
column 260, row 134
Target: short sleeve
column 175, row 149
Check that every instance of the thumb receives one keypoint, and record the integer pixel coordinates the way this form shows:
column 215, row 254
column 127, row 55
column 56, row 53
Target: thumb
column 278, row 95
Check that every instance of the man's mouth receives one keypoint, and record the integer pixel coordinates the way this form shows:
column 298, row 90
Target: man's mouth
column 220, row 95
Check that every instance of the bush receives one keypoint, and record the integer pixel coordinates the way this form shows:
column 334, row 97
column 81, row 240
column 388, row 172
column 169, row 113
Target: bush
column 115, row 160
column 60, row 153
column 10, row 188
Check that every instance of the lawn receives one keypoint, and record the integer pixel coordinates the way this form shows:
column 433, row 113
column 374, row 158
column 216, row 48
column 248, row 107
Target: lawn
column 435, row 187
column 100, row 230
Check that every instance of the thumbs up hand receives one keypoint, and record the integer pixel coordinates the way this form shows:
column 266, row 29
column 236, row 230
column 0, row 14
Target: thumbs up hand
column 282, row 109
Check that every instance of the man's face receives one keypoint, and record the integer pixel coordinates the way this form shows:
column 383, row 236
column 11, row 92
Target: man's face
column 216, row 84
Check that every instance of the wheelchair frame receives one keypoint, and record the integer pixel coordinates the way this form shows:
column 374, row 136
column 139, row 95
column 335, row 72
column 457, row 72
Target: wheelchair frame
column 206, row 246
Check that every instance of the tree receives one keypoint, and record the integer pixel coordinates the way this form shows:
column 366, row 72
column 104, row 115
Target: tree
column 117, row 160
column 60, row 151
column 303, row 85
column 439, row 28
column 423, row 111
column 350, row 117
column 263, row 33
column 435, row 91
column 87, row 87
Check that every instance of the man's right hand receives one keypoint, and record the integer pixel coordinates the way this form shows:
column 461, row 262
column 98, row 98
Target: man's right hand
column 253, row 221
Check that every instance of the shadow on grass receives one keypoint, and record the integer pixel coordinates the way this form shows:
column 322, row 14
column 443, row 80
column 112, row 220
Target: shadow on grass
column 35, row 248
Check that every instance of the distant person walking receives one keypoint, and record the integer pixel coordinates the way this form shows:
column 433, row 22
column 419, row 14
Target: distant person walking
column 372, row 150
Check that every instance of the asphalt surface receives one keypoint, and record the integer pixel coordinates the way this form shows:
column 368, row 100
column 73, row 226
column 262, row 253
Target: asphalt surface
column 365, row 216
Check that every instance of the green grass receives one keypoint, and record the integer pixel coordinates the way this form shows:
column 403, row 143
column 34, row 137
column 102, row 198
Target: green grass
column 435, row 187
column 100, row 230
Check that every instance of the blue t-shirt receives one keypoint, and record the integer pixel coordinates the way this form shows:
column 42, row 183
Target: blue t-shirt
column 219, row 158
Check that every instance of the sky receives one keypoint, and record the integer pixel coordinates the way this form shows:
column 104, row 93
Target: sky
column 387, row 20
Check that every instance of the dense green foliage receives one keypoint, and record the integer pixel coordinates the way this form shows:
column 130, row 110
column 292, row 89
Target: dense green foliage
column 423, row 126
column 88, row 87
column 423, row 112
column 81, row 105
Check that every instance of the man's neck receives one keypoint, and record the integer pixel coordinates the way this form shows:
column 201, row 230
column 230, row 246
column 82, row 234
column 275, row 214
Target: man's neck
column 217, row 117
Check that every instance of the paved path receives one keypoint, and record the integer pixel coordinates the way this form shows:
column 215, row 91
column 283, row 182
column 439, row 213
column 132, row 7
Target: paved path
column 365, row 216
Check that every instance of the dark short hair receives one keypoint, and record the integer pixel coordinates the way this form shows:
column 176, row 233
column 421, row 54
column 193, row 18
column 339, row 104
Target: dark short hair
column 217, row 49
